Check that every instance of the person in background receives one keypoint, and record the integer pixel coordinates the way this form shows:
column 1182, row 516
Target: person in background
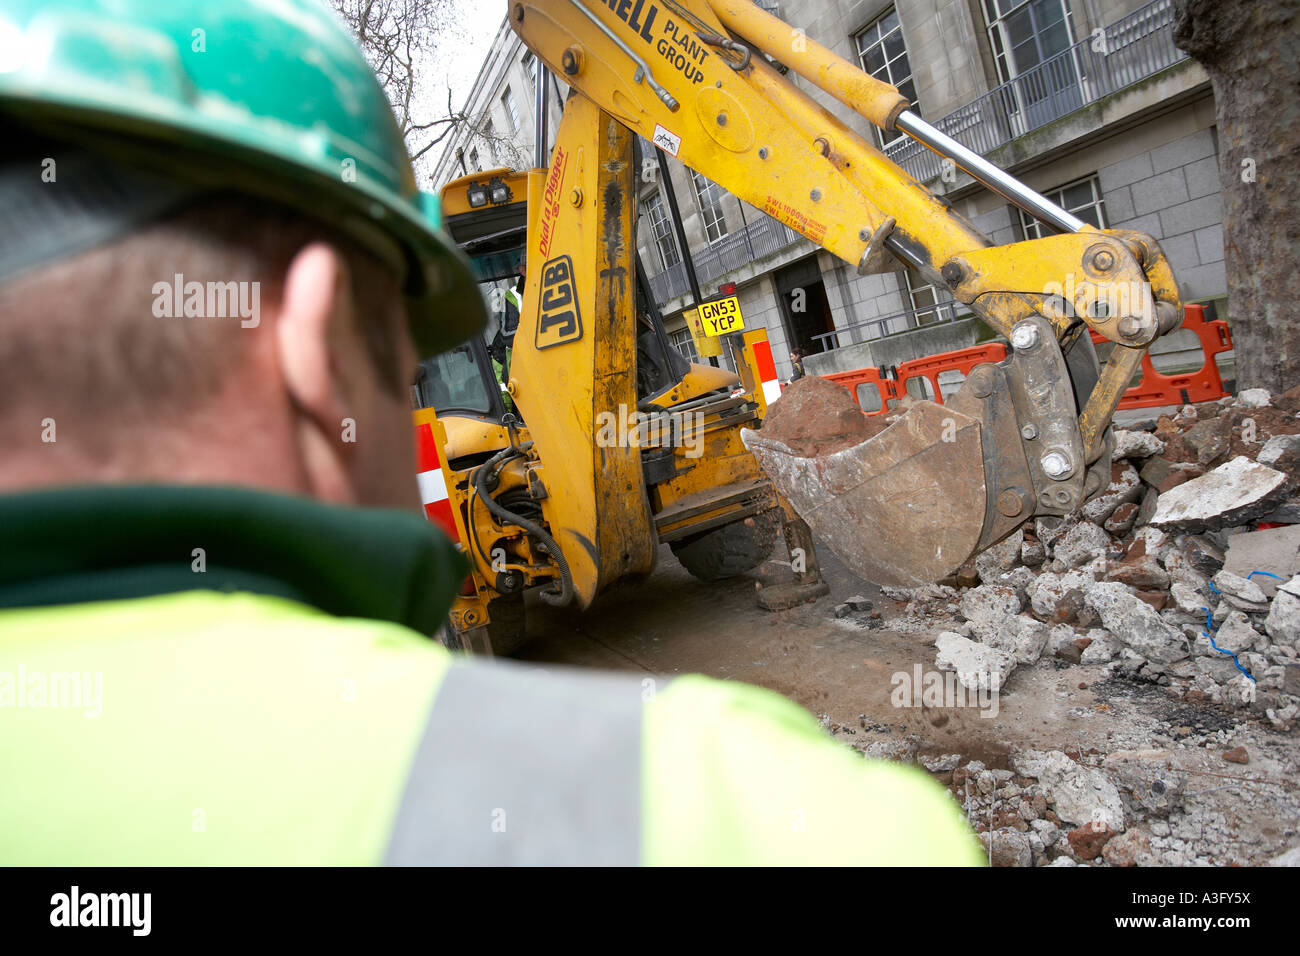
column 503, row 342
column 796, row 363
column 502, row 348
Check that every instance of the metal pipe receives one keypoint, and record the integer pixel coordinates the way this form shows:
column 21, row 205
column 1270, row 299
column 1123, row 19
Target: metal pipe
column 542, row 126
column 642, row 68
column 671, row 193
column 824, row 68
column 998, row 180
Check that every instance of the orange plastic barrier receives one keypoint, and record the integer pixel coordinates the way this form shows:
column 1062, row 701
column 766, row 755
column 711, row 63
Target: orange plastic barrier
column 1203, row 385
column 962, row 360
column 886, row 388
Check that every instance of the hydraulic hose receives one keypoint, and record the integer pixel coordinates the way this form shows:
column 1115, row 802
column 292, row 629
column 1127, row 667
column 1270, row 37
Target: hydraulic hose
column 553, row 597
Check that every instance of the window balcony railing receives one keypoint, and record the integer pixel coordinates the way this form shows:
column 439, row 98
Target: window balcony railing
column 894, row 323
column 760, row 237
column 1123, row 53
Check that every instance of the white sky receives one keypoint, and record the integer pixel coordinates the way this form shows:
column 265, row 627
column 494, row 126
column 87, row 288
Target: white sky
column 460, row 52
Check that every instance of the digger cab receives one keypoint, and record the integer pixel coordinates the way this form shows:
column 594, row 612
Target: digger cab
column 486, row 214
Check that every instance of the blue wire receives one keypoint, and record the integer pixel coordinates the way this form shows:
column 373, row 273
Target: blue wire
column 1234, row 660
column 1211, row 630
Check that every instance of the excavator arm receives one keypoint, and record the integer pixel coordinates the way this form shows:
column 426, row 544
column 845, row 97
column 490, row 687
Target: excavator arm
column 1029, row 436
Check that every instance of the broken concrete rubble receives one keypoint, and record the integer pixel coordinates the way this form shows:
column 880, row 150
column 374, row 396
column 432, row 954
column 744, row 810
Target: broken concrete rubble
column 1283, row 621
column 1136, row 623
column 1281, row 452
column 1235, row 634
column 1021, row 636
column 1268, row 558
column 1001, row 557
column 1122, row 519
column 1130, row 848
column 1102, row 647
column 978, row 667
column 1049, row 592
column 1233, row 493
column 1210, row 439
column 1125, row 487
column 1119, row 591
column 1080, row 794
column 1135, row 444
column 987, row 606
column 1083, row 543
column 1241, row 593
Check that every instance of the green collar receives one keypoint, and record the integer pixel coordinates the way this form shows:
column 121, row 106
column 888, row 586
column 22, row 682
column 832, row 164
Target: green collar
column 105, row 543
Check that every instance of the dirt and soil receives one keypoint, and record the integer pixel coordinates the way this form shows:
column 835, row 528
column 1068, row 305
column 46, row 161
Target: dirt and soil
column 816, row 416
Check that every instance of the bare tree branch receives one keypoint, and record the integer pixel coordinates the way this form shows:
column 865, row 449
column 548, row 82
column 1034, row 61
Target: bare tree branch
column 399, row 39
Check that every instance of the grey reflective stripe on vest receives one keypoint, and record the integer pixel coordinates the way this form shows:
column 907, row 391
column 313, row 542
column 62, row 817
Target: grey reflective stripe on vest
column 524, row 766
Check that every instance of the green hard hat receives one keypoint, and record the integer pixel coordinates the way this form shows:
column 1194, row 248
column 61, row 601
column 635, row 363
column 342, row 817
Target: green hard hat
column 270, row 98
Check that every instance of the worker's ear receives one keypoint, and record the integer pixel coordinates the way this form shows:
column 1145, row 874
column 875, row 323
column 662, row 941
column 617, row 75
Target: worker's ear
column 314, row 317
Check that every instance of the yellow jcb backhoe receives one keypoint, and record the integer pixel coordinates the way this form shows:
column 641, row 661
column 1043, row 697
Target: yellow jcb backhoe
column 563, row 458
column 703, row 80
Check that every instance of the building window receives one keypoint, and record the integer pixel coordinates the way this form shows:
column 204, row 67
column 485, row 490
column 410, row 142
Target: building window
column 474, row 165
column 709, row 196
column 1083, row 198
column 490, row 134
column 512, row 111
column 529, row 63
column 883, row 54
column 1024, row 33
column 930, row 304
column 662, row 231
column 685, row 345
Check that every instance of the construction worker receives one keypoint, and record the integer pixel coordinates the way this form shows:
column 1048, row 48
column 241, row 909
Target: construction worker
column 215, row 280
column 503, row 341
column 514, row 306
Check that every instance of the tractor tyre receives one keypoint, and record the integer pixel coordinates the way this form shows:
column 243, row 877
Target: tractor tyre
column 732, row 549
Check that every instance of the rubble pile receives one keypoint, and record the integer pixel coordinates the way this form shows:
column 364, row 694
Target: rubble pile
column 1138, row 807
column 1182, row 577
column 1184, row 571
column 1164, row 795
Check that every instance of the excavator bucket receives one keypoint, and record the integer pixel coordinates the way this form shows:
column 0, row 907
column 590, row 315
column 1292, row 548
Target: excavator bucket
column 904, row 508
column 942, row 483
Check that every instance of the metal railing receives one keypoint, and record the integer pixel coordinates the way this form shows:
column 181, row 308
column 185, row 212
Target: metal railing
column 760, row 237
column 1129, row 50
column 892, row 324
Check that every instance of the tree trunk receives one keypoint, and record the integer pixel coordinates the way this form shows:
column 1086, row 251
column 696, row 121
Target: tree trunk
column 1251, row 50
